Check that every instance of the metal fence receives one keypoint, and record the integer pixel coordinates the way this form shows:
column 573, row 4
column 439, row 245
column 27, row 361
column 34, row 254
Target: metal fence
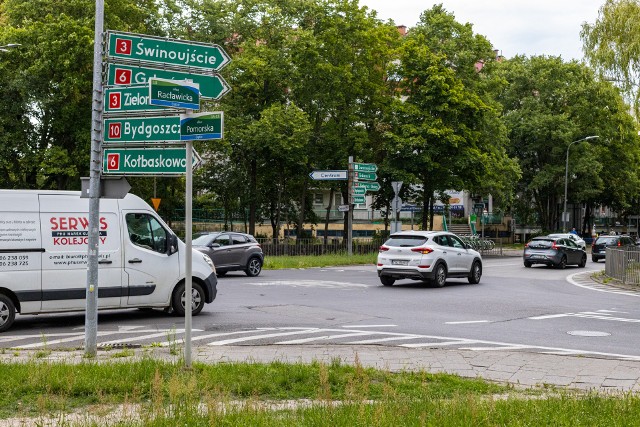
column 276, row 247
column 623, row 265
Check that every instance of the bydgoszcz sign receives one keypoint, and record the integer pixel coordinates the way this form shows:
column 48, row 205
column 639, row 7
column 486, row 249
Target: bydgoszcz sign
column 174, row 93
column 211, row 85
column 182, row 53
column 142, row 129
column 201, row 126
column 147, row 161
column 370, row 186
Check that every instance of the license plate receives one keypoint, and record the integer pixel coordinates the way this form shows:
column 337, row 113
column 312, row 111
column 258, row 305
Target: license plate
column 399, row 262
column 537, row 256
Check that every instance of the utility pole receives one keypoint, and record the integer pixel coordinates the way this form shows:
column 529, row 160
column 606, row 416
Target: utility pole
column 350, row 212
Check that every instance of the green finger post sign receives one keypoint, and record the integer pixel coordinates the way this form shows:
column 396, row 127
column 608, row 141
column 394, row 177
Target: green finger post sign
column 147, row 161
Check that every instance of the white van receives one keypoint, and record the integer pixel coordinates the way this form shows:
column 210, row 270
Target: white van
column 43, row 256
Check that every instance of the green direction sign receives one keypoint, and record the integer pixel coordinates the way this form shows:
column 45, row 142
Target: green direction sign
column 211, row 85
column 142, row 129
column 147, row 161
column 128, row 98
column 365, row 167
column 359, row 200
column 358, row 191
column 201, row 126
column 369, row 186
column 174, row 93
column 182, row 53
column 366, row 176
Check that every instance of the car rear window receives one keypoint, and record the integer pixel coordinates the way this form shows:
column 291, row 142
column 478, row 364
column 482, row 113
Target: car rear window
column 606, row 240
column 406, row 241
column 541, row 244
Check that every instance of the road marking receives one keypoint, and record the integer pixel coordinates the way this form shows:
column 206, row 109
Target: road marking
column 204, row 337
column 323, row 338
column 600, row 315
column 327, row 284
column 141, row 338
column 260, row 337
column 438, row 344
column 379, row 340
column 77, row 337
column 583, row 280
column 466, row 321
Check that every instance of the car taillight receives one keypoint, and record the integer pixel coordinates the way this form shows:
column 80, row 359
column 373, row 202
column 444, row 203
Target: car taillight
column 383, row 248
column 619, row 243
column 554, row 246
column 423, row 251
column 526, row 245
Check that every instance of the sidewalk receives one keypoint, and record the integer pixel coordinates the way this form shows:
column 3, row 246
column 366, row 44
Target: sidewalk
column 520, row 368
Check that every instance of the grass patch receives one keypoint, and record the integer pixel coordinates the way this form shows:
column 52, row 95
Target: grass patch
column 307, row 261
column 241, row 394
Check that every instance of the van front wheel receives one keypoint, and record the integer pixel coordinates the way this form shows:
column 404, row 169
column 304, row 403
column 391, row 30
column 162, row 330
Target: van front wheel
column 178, row 301
column 7, row 312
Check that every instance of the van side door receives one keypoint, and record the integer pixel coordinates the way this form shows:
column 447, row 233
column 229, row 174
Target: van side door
column 150, row 272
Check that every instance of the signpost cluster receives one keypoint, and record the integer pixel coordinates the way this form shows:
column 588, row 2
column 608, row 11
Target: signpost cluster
column 152, row 86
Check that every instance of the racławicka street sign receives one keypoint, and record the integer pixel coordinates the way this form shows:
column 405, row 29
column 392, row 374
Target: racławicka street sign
column 212, row 86
column 182, row 53
column 174, row 93
column 147, row 161
column 207, row 125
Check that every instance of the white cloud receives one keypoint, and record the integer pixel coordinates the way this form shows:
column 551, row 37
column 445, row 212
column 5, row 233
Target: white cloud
column 541, row 27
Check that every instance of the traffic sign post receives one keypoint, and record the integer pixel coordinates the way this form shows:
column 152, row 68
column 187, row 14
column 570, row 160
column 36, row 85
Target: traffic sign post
column 358, row 191
column 182, row 53
column 329, row 175
column 129, row 99
column 142, row 129
column 369, row 186
column 174, row 93
column 147, row 161
column 359, row 200
column 201, row 126
column 212, row 86
column 365, row 167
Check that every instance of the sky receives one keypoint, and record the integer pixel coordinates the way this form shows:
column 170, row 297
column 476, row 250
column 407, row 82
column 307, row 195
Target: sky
column 539, row 27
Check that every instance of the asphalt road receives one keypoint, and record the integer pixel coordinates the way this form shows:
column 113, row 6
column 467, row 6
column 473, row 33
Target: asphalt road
column 516, row 308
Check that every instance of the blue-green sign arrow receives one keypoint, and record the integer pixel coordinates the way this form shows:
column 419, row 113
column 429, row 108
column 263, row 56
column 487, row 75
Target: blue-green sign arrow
column 211, row 85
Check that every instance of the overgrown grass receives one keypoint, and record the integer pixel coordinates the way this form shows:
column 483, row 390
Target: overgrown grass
column 241, row 394
column 306, row 261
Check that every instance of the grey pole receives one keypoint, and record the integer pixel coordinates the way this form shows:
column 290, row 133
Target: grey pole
column 188, row 258
column 566, row 181
column 91, row 313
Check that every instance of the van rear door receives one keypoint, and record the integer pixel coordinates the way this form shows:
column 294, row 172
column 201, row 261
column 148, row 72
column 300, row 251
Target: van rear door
column 64, row 221
column 150, row 272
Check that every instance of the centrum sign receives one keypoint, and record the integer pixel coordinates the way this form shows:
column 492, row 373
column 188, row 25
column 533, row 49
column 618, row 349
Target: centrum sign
column 212, row 86
column 142, row 47
column 207, row 125
column 142, row 129
column 174, row 93
column 147, row 161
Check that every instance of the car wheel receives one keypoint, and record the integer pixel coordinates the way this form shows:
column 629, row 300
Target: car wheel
column 254, row 267
column 562, row 264
column 583, row 261
column 7, row 312
column 178, row 301
column 476, row 273
column 387, row 281
column 594, row 259
column 527, row 264
column 440, row 277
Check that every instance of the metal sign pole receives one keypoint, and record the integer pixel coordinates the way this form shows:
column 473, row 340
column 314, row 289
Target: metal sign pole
column 350, row 213
column 91, row 313
column 188, row 279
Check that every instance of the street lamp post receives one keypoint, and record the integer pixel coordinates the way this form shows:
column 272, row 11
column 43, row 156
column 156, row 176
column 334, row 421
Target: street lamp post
column 566, row 181
column 6, row 47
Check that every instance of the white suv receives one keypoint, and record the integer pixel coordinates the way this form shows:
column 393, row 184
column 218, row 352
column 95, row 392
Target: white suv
column 427, row 255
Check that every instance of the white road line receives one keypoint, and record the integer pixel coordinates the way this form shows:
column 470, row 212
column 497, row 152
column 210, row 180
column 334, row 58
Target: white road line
column 598, row 287
column 550, row 316
column 437, row 344
column 259, row 337
column 141, row 337
column 379, row 340
column 466, row 321
column 204, row 337
column 63, row 340
column 323, row 338
column 369, row 326
column 600, row 317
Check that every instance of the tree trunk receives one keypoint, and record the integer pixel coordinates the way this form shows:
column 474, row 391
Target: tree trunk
column 327, row 217
column 253, row 196
column 300, row 225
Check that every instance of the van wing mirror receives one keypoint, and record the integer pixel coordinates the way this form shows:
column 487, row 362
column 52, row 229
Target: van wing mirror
column 173, row 244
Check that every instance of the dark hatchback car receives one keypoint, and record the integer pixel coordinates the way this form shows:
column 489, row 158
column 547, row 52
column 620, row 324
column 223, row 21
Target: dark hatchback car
column 231, row 251
column 554, row 251
column 601, row 243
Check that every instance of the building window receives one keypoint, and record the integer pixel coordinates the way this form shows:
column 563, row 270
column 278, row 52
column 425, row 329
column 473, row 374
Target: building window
column 318, row 199
column 337, row 199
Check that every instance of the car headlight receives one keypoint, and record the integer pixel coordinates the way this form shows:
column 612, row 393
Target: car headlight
column 209, row 261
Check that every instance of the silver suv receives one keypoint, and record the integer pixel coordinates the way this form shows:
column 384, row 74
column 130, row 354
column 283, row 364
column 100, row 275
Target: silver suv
column 430, row 256
column 231, row 251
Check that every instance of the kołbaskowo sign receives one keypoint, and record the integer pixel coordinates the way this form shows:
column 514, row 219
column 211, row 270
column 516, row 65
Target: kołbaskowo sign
column 142, row 129
column 211, row 85
column 147, row 161
column 207, row 125
column 142, row 47
column 174, row 93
